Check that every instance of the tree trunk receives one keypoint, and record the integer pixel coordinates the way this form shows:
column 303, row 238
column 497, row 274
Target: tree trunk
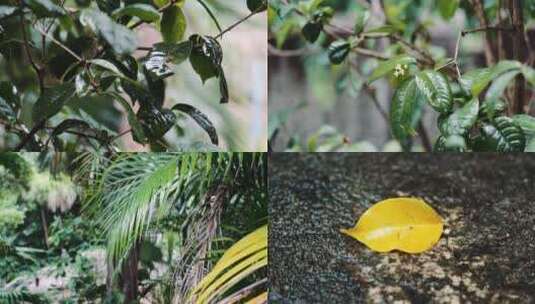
column 129, row 276
column 44, row 225
column 515, row 9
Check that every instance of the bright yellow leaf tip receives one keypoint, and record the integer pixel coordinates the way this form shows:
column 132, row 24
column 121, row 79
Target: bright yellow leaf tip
column 405, row 224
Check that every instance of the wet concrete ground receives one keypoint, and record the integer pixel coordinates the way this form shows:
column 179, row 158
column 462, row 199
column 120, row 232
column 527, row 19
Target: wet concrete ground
column 486, row 254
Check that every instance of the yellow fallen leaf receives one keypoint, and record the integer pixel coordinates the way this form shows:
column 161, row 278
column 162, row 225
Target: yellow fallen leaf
column 406, row 224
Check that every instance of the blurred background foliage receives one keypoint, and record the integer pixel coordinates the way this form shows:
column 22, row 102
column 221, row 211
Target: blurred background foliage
column 318, row 105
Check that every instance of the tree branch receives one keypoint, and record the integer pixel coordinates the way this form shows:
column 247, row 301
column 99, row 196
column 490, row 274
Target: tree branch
column 515, row 9
column 29, row 55
column 480, row 13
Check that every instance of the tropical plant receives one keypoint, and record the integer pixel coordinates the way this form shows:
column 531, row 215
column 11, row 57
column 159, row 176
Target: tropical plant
column 242, row 259
column 66, row 63
column 133, row 196
column 478, row 109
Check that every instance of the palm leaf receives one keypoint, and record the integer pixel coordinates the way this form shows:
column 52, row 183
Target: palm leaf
column 17, row 296
column 241, row 260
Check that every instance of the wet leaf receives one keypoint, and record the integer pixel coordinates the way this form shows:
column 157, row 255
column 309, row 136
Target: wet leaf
column 256, row 6
column 460, row 121
column 200, row 118
column 477, row 80
column 156, row 65
column 502, row 135
column 406, row 110
column 338, row 51
column 436, row 88
column 405, row 224
column 156, row 122
column 206, row 56
column 527, row 123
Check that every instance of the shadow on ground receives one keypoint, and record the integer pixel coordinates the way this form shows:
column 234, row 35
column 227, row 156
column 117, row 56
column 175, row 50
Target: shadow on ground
column 486, row 254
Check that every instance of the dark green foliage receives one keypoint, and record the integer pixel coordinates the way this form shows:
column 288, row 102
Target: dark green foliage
column 17, row 166
column 338, row 51
column 477, row 107
column 71, row 65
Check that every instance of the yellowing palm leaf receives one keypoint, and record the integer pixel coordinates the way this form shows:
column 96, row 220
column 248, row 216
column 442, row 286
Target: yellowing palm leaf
column 239, row 261
column 405, row 224
column 259, row 299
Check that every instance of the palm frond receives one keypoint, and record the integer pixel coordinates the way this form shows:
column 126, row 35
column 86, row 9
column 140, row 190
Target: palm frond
column 191, row 265
column 130, row 191
column 18, row 296
column 241, row 260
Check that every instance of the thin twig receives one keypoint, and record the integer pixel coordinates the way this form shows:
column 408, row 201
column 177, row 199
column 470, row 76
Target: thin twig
column 29, row 55
column 235, row 24
column 30, row 135
column 487, row 28
column 72, row 53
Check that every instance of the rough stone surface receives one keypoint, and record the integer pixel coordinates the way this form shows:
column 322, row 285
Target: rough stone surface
column 486, row 254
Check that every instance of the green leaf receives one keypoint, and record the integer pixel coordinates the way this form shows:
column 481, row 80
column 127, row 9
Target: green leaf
column 338, row 51
column 447, row 8
column 361, row 18
column 388, row 66
column 312, row 30
column 223, row 87
column 491, row 108
column 173, row 24
column 380, row 31
column 178, row 52
column 406, row 110
column 201, row 119
column 144, row 12
column 527, row 123
column 156, row 122
column 51, row 101
column 477, row 80
column 256, row 6
column 503, row 135
column 6, row 10
column 78, row 125
column 9, row 102
column 107, row 66
column 137, row 128
column 206, row 56
column 529, row 74
column 44, row 8
column 436, row 88
column 499, row 84
column 461, row 120
column 122, row 40
column 156, row 66
column 452, row 143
